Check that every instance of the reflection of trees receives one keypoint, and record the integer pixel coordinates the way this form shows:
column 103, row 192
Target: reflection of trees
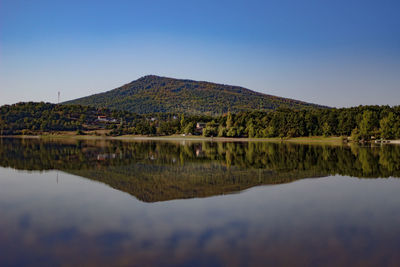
column 389, row 161
column 155, row 171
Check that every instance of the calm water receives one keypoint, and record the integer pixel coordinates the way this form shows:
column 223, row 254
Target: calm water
column 198, row 204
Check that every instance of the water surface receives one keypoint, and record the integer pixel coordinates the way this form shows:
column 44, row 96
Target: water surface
column 217, row 204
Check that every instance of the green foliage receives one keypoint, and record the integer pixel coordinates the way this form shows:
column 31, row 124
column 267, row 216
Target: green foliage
column 250, row 130
column 221, row 131
column 326, row 129
column 182, row 121
column 45, row 117
column 229, row 120
column 232, row 132
column 270, row 131
column 189, row 128
column 361, row 122
column 366, row 125
column 355, row 135
column 211, row 129
column 387, row 129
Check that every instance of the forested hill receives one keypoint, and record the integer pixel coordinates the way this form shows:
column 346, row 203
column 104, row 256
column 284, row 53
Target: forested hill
column 152, row 94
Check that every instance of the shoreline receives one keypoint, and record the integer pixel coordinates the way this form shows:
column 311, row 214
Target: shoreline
column 332, row 140
column 313, row 139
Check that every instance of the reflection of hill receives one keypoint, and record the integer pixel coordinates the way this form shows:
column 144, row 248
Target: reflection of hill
column 156, row 171
column 152, row 183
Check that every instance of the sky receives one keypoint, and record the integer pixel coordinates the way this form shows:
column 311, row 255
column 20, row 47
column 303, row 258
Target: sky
column 338, row 53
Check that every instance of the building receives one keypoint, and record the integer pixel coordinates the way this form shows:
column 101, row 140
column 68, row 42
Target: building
column 200, row 125
column 102, row 118
column 105, row 119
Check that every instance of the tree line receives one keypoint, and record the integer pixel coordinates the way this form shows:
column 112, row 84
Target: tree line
column 361, row 123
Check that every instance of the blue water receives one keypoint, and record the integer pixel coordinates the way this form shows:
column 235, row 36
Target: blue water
column 51, row 218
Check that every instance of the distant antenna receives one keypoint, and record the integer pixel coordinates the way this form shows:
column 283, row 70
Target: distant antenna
column 58, row 97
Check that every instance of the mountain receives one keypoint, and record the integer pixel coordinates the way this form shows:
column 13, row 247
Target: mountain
column 151, row 94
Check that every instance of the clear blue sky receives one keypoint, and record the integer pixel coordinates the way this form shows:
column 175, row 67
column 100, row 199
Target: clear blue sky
column 337, row 53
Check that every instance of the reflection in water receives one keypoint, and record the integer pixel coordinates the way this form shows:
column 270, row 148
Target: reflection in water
column 332, row 221
column 157, row 171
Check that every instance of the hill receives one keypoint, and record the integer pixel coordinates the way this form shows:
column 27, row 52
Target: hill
column 152, row 94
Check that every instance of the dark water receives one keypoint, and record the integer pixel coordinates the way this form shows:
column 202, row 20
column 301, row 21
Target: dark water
column 102, row 203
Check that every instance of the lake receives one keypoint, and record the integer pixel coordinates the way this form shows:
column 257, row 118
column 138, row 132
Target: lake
column 126, row 203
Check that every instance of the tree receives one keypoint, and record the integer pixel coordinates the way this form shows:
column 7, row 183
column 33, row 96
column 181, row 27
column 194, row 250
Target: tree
column 189, row 128
column 270, row 131
column 229, row 121
column 386, row 126
column 355, row 135
column 231, row 132
column 209, row 131
column 366, row 125
column 326, row 129
column 221, row 131
column 182, row 121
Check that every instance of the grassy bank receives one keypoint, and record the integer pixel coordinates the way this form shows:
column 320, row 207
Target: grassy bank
column 73, row 135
